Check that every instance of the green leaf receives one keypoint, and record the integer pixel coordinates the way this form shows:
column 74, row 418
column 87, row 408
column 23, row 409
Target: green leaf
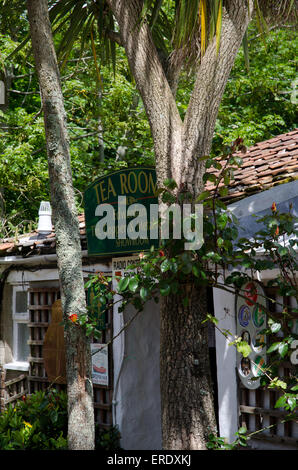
column 210, row 318
column 281, row 402
column 196, row 270
column 186, row 268
column 165, row 289
column 242, row 430
column 133, row 284
column 123, row 283
column 223, row 191
column 165, row 265
column 168, row 197
column 222, row 221
column 170, row 183
column 243, row 348
column 203, row 195
column 283, row 349
column 102, row 300
column 275, row 327
column 277, row 383
column 209, row 177
column 273, row 347
column 159, row 191
column 292, row 402
column 214, row 256
column 220, row 241
column 282, row 250
column 144, row 293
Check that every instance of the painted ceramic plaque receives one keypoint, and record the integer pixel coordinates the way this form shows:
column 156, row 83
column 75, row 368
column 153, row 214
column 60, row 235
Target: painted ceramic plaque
column 244, row 315
column 251, row 321
column 250, row 293
column 258, row 316
column 259, row 342
column 258, row 366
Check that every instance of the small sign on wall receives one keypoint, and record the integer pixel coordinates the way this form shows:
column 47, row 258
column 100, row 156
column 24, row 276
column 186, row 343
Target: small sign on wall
column 100, row 364
column 251, row 321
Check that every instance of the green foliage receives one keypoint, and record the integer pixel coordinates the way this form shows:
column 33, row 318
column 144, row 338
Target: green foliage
column 108, row 440
column 257, row 102
column 115, row 108
column 256, row 105
column 219, row 443
column 37, row 422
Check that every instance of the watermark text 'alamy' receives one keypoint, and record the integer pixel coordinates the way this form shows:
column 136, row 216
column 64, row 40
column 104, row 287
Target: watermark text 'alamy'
column 133, row 221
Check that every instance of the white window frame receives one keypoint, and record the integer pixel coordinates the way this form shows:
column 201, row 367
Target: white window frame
column 18, row 318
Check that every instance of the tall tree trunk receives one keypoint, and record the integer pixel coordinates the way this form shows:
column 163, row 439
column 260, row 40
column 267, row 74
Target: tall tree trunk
column 186, row 387
column 186, row 390
column 79, row 384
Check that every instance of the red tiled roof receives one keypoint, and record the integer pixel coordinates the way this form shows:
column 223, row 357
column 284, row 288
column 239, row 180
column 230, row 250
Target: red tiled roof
column 6, row 246
column 265, row 165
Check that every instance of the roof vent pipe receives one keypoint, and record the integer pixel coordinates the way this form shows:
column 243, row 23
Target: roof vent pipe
column 45, row 218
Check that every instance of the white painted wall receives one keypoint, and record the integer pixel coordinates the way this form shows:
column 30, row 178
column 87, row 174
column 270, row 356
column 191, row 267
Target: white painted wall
column 136, row 405
column 224, row 311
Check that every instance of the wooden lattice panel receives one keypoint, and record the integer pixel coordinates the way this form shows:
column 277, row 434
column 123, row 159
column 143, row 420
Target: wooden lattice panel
column 11, row 390
column 40, row 304
column 256, row 407
column 103, row 395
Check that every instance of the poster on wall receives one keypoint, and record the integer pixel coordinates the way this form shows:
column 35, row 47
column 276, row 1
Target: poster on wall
column 100, row 364
column 251, row 321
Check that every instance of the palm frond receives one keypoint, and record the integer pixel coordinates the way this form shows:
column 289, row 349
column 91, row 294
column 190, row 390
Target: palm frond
column 181, row 29
column 203, row 15
column 218, row 16
column 80, row 16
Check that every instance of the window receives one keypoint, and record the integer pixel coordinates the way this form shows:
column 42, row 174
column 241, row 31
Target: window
column 20, row 318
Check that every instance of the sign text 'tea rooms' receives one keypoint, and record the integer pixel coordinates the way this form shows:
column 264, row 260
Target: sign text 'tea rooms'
column 111, row 204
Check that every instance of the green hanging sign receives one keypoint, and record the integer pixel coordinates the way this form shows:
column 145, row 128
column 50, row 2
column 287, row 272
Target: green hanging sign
column 120, row 212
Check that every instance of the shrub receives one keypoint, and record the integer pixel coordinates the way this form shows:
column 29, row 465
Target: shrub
column 107, row 439
column 38, row 421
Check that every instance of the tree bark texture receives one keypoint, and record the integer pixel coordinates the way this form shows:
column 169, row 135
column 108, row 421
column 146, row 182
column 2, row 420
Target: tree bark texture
column 151, row 81
column 78, row 357
column 177, row 144
column 186, row 388
column 186, row 391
